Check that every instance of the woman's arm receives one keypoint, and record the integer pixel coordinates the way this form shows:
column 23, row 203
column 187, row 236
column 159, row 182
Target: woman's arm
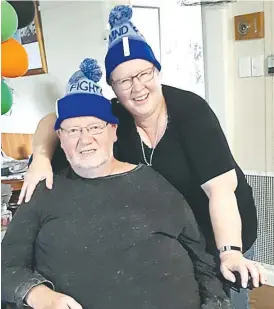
column 227, row 227
column 212, row 161
column 45, row 139
column 44, row 143
column 223, row 208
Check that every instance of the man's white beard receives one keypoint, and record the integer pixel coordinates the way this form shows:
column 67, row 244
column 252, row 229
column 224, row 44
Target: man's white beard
column 86, row 165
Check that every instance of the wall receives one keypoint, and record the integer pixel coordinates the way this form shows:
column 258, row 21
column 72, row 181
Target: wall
column 253, row 97
column 243, row 105
column 218, row 53
column 69, row 37
column 181, row 43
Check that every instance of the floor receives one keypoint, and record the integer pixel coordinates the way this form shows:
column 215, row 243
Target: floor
column 262, row 298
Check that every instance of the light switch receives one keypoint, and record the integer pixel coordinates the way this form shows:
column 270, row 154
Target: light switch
column 257, row 65
column 270, row 64
column 244, row 66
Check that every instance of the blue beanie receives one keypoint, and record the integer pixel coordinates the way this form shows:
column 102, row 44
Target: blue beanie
column 125, row 41
column 84, row 96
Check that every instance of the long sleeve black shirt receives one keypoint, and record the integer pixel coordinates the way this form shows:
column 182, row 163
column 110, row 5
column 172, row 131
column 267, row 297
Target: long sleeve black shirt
column 122, row 241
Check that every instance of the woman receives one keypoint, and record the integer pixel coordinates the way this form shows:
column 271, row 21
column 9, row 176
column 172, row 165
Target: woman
column 176, row 133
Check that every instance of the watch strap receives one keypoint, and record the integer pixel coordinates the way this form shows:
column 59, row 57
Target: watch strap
column 230, row 248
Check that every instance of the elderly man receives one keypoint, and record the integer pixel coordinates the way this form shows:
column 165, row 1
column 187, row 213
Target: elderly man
column 109, row 234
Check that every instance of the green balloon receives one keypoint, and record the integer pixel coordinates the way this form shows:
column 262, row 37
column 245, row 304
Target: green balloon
column 6, row 98
column 9, row 21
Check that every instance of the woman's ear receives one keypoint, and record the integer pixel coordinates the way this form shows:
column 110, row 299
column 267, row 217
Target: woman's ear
column 58, row 133
column 158, row 76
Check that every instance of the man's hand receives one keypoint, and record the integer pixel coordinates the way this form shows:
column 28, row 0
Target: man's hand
column 40, row 169
column 235, row 261
column 41, row 297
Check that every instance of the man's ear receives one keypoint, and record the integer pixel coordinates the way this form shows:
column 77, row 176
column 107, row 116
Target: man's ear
column 58, row 132
column 114, row 127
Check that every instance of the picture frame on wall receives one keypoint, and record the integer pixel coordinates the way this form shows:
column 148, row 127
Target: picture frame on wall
column 33, row 42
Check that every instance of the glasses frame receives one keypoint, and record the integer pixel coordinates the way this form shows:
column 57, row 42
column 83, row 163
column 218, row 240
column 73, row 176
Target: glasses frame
column 79, row 133
column 118, row 82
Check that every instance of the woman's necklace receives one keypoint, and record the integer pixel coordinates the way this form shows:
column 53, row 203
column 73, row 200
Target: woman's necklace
column 152, row 152
column 149, row 163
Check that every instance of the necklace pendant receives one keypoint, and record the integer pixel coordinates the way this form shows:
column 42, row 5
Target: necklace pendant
column 149, row 164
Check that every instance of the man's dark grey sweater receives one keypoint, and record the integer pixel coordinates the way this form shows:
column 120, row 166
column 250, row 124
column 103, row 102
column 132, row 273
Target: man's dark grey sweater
column 126, row 241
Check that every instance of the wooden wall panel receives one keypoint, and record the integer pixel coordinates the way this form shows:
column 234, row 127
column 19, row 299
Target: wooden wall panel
column 16, row 145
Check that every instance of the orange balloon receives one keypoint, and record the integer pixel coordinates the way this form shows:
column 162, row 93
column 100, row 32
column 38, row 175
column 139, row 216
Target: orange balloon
column 14, row 59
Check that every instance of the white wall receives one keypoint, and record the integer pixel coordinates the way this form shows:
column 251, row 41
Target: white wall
column 253, row 112
column 69, row 37
column 243, row 105
column 180, row 42
column 218, row 55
